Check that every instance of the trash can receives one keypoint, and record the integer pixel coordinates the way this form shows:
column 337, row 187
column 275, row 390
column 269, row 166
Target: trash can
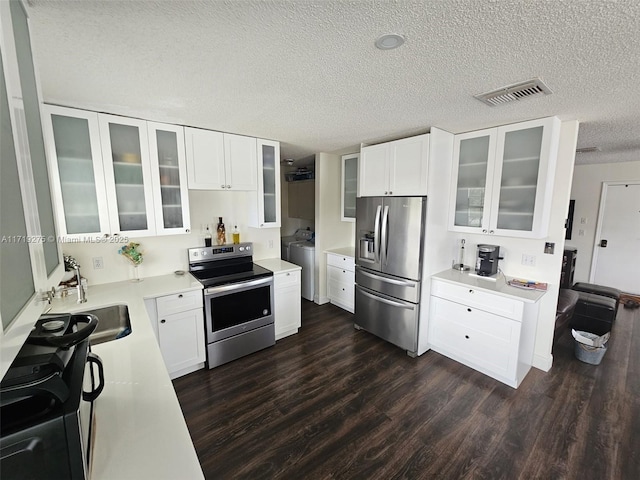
column 589, row 347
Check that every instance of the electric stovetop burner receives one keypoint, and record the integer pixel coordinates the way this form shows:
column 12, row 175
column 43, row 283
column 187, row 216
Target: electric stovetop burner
column 215, row 266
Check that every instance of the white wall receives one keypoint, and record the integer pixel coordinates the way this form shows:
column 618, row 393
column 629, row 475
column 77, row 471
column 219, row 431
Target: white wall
column 331, row 232
column 163, row 255
column 586, row 190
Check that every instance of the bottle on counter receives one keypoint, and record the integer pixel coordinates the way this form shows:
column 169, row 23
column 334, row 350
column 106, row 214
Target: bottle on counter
column 236, row 235
column 221, row 232
column 207, row 237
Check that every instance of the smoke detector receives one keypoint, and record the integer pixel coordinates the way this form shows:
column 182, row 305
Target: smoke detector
column 517, row 91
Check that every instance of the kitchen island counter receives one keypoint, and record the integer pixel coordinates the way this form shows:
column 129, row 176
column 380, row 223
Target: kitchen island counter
column 140, row 431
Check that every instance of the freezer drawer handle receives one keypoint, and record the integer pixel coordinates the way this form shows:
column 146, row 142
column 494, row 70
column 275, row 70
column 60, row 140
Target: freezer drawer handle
column 388, row 280
column 388, row 302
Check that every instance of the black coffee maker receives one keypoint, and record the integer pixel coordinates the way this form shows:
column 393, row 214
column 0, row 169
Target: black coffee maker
column 487, row 260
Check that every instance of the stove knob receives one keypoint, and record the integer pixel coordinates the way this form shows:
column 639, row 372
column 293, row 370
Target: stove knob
column 204, row 253
column 248, row 247
column 241, row 249
column 195, row 254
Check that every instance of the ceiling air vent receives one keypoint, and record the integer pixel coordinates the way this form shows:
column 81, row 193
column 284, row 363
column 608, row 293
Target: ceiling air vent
column 587, row 149
column 517, row 91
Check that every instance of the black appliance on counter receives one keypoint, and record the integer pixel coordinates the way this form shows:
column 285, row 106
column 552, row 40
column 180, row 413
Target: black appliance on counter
column 487, row 260
column 46, row 401
column 238, row 301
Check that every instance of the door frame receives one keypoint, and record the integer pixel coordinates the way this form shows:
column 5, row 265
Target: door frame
column 600, row 221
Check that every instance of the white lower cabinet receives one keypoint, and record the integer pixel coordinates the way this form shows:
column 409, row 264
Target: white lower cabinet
column 179, row 327
column 486, row 331
column 341, row 280
column 288, row 303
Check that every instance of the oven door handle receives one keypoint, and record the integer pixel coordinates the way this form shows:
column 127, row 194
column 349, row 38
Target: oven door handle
column 236, row 286
column 95, row 392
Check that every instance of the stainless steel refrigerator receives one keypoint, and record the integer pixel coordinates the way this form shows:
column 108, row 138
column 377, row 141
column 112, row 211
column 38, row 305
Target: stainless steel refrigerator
column 389, row 256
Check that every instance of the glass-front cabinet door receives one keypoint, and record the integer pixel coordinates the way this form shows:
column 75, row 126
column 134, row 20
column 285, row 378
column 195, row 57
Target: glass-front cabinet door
column 518, row 179
column 73, row 140
column 504, row 179
column 349, row 186
column 473, row 168
column 266, row 208
column 127, row 170
column 169, row 176
column 523, row 178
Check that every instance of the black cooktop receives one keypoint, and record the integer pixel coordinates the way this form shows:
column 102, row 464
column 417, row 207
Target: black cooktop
column 213, row 277
column 224, row 264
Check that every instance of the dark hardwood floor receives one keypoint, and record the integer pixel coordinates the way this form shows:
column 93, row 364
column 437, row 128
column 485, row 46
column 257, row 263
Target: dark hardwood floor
column 332, row 402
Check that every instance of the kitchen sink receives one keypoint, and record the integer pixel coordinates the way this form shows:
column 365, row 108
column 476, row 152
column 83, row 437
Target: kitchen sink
column 114, row 323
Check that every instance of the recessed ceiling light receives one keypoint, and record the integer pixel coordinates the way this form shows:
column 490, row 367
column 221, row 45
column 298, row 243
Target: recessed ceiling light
column 389, row 41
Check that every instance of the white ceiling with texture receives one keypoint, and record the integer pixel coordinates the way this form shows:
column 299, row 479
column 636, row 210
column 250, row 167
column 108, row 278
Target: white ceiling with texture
column 307, row 73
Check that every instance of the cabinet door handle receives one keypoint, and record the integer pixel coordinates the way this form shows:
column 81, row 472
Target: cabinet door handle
column 468, row 309
column 228, row 186
column 288, row 274
column 223, row 186
column 386, row 193
column 470, row 291
column 490, row 232
column 484, row 230
column 180, row 296
column 163, row 321
column 390, row 193
column 466, row 336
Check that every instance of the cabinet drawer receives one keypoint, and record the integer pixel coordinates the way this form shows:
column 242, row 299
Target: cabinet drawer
column 477, row 338
column 179, row 302
column 341, row 261
column 341, row 275
column 341, row 293
column 286, row 279
column 477, row 298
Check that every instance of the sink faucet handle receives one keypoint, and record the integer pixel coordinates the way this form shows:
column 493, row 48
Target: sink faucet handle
column 49, row 295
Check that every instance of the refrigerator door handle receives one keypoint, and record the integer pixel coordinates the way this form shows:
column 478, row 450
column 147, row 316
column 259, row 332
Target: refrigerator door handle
column 376, row 235
column 388, row 280
column 385, row 227
column 388, row 302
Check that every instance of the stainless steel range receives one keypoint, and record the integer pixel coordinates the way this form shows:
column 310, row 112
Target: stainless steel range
column 238, row 301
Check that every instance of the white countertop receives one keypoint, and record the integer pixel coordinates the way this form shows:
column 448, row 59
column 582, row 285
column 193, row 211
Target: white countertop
column 499, row 286
column 344, row 251
column 277, row 265
column 140, row 429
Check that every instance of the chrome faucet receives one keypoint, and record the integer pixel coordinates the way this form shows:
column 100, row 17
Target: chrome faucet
column 82, row 295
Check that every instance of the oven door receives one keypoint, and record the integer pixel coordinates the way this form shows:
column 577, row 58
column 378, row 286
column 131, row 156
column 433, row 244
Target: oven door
column 237, row 308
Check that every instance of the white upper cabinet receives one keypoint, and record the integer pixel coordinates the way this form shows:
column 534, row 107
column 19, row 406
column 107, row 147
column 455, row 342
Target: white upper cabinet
column 241, row 162
column 503, row 179
column 127, row 173
column 77, row 175
column 205, row 159
column 398, row 168
column 114, row 175
column 220, row 161
column 169, row 178
column 349, row 187
column 31, row 258
column 265, row 202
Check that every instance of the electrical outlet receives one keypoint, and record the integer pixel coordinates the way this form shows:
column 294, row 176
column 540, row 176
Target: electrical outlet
column 270, row 243
column 528, row 260
column 97, row 263
column 583, row 220
column 581, row 233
